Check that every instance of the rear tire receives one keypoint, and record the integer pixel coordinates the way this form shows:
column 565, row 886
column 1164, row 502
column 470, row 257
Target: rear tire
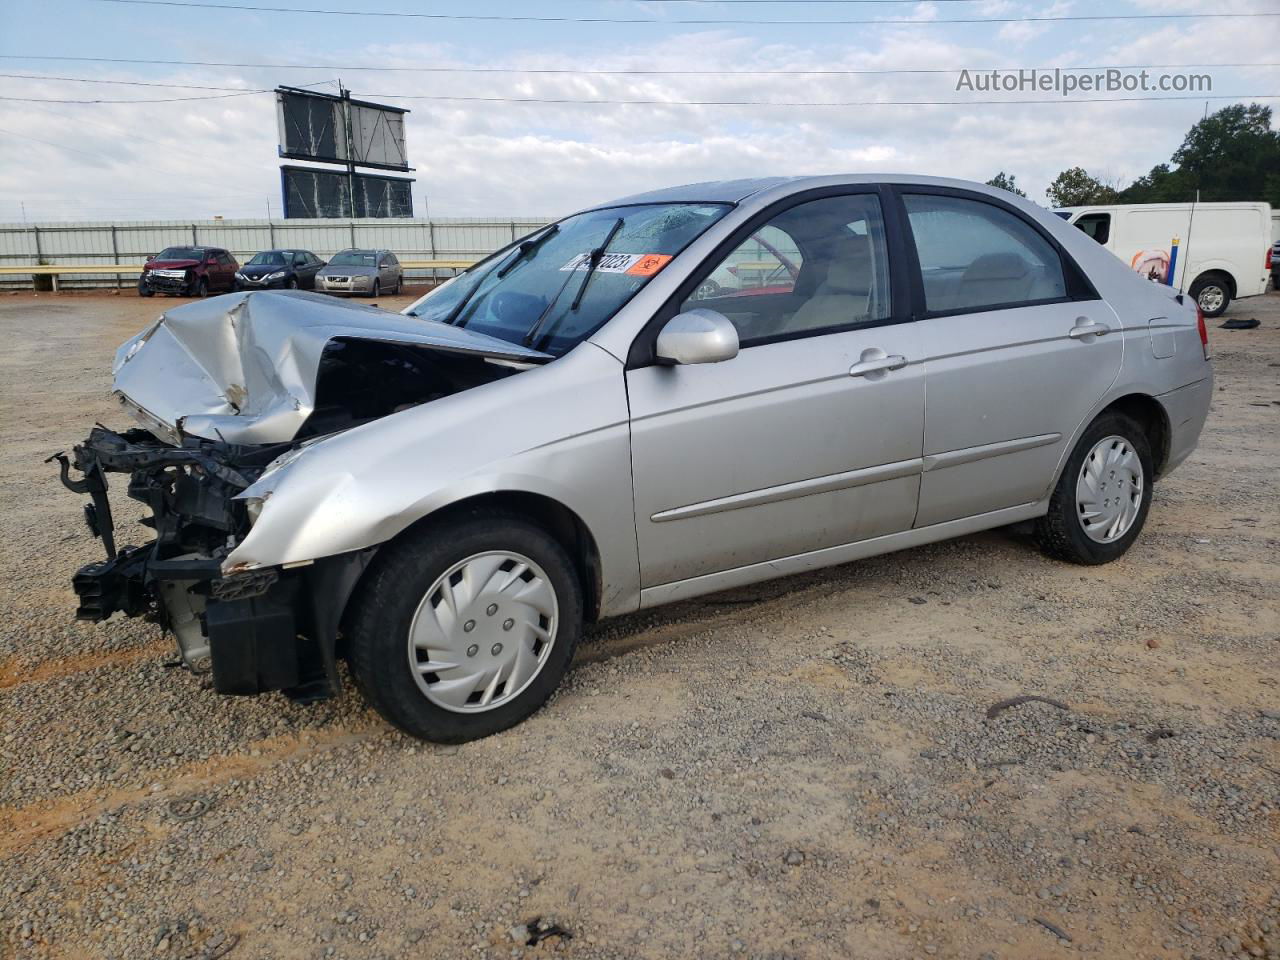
column 404, row 617
column 1212, row 294
column 1095, row 514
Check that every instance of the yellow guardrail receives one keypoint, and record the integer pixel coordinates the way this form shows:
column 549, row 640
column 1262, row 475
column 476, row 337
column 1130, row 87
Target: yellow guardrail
column 63, row 269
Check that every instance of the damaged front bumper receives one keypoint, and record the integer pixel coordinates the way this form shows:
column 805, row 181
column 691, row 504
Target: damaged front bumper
column 253, row 631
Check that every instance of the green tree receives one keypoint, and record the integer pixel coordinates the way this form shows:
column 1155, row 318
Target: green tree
column 1006, row 181
column 1076, row 188
column 1232, row 154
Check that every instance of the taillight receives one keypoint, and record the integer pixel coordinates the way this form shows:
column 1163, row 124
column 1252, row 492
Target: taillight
column 1269, row 249
column 1204, row 332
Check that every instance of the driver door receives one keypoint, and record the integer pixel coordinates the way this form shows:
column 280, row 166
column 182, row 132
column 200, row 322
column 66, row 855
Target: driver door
column 811, row 436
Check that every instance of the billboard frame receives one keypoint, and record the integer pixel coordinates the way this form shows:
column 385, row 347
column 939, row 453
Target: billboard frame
column 285, row 168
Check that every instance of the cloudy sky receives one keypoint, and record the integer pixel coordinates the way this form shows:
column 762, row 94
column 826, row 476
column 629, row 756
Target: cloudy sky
column 217, row 155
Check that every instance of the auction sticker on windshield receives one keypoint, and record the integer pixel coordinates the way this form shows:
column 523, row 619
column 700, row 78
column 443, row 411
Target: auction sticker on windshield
column 634, row 264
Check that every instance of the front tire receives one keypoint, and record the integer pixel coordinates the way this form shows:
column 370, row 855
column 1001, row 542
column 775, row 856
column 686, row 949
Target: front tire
column 1212, row 294
column 144, row 290
column 1101, row 501
column 202, row 289
column 465, row 627
column 377, row 289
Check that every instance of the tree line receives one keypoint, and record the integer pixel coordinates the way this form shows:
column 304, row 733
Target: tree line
column 1232, row 154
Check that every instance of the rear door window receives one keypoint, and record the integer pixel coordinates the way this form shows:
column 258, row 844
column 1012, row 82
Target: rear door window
column 977, row 256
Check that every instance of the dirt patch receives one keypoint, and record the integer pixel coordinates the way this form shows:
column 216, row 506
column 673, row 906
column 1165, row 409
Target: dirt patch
column 802, row 769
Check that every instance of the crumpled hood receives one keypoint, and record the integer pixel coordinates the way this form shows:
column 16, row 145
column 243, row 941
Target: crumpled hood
column 243, row 367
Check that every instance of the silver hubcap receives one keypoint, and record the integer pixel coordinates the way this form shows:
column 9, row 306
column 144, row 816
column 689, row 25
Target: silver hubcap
column 1211, row 298
column 483, row 632
column 1109, row 491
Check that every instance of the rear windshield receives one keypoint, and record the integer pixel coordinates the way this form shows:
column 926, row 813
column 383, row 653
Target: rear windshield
column 354, row 258
column 181, row 253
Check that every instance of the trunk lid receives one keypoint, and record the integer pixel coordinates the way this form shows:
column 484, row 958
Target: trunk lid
column 247, row 368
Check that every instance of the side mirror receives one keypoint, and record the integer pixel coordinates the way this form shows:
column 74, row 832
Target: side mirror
column 150, row 257
column 212, row 261
column 698, row 336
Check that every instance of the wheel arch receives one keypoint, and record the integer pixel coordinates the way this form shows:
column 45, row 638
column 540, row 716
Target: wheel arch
column 562, row 523
column 1217, row 271
column 1150, row 414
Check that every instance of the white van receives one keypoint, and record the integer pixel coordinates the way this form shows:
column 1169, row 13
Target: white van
column 1223, row 255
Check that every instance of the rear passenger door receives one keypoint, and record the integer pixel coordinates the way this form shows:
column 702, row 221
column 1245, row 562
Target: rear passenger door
column 1018, row 348
column 226, row 270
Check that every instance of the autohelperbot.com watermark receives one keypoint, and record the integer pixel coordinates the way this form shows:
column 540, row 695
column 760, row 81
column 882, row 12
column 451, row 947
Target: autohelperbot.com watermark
column 1069, row 82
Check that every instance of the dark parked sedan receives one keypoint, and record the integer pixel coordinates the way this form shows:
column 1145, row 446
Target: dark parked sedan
column 288, row 269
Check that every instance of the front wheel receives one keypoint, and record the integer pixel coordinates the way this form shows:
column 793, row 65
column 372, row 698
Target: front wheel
column 201, row 289
column 144, row 290
column 377, row 288
column 466, row 628
column 1101, row 501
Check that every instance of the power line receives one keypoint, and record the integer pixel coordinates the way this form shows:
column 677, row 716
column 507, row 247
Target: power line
column 882, row 71
column 707, row 21
column 128, row 83
column 814, row 103
column 702, row 103
column 219, row 96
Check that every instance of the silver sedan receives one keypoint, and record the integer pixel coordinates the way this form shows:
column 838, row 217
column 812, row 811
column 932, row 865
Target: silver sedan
column 672, row 394
column 367, row 272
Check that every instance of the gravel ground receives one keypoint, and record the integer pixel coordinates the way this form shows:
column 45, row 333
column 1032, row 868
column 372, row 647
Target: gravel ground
column 804, row 769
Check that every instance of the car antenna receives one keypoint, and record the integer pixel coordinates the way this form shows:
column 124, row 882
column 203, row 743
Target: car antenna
column 1186, row 257
column 1190, row 222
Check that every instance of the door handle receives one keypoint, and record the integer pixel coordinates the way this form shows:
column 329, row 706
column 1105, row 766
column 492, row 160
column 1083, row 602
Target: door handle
column 1087, row 328
column 875, row 361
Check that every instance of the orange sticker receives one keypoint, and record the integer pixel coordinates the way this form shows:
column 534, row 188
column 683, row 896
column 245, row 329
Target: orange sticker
column 649, row 264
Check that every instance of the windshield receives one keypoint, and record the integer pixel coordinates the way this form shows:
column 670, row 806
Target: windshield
column 180, row 253
column 269, row 258
column 354, row 258
column 535, row 288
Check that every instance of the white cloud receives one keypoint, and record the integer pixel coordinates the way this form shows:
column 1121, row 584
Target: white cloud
column 200, row 158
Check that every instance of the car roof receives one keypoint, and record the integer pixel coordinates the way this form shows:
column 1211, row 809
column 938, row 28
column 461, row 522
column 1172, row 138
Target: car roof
column 736, row 191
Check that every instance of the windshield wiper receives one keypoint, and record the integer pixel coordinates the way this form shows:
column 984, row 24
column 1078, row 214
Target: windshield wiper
column 519, row 254
column 593, row 262
column 596, row 255
column 526, row 248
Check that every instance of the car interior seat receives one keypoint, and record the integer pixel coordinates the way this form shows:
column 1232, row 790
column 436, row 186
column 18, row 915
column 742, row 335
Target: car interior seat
column 844, row 294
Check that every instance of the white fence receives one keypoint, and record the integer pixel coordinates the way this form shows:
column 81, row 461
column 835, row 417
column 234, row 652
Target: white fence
column 51, row 244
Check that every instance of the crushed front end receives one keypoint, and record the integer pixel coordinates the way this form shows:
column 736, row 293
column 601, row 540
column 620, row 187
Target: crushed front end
column 253, row 631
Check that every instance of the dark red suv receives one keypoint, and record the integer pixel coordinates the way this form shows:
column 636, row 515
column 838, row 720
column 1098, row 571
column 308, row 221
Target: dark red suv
column 188, row 271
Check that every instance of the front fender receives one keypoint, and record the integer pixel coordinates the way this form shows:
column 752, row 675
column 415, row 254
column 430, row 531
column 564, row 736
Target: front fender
column 560, row 431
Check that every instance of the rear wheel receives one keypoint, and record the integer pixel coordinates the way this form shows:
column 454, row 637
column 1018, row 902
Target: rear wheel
column 465, row 628
column 1212, row 294
column 1101, row 501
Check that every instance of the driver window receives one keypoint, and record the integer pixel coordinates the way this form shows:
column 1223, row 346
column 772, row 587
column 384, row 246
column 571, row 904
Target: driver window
column 816, row 268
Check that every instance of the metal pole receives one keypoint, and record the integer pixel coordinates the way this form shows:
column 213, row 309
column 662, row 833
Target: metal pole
column 194, row 241
column 351, row 166
column 431, row 243
column 115, row 253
